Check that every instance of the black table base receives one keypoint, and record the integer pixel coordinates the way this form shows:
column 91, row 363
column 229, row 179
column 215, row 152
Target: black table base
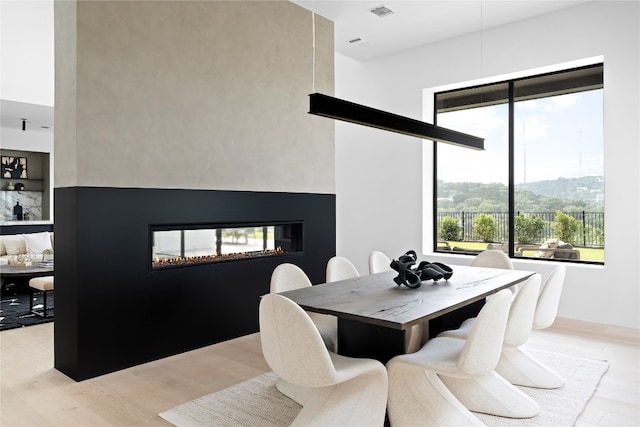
column 360, row 339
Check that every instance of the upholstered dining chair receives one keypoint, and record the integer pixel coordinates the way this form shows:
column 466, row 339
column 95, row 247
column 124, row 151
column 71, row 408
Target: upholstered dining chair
column 533, row 372
column 340, row 268
column 516, row 365
column 378, row 262
column 549, row 299
column 492, row 258
column 287, row 277
column 340, row 390
column 449, row 377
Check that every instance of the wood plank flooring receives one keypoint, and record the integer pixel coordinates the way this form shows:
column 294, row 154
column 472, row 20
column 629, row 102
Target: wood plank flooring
column 33, row 393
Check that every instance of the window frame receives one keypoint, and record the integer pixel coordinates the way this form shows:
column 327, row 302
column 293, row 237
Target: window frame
column 589, row 83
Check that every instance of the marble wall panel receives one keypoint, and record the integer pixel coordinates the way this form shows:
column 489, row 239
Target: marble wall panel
column 31, row 202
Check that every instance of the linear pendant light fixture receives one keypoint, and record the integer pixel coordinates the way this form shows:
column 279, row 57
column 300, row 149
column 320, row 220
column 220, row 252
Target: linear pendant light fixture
column 338, row 109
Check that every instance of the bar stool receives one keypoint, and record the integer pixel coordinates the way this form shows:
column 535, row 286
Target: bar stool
column 40, row 284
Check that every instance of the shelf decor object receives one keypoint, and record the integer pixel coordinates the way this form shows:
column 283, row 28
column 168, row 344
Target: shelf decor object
column 338, row 109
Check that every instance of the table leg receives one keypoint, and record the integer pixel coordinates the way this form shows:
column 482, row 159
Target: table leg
column 359, row 339
column 453, row 319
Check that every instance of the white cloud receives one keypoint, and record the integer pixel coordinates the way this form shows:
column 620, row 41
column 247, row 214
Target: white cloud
column 531, row 128
column 561, row 102
column 478, row 121
column 531, row 104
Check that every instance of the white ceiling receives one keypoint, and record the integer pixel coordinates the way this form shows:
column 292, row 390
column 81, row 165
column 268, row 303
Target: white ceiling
column 416, row 23
column 39, row 117
column 412, row 24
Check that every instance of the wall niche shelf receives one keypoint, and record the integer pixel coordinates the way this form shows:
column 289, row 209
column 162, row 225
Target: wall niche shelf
column 30, row 184
column 36, row 196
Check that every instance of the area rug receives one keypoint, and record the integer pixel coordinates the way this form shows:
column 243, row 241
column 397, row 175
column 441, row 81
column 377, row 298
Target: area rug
column 257, row 402
column 14, row 310
column 558, row 407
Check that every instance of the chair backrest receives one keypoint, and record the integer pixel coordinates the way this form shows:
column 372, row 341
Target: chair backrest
column 340, row 268
column 549, row 299
column 378, row 262
column 287, row 277
column 483, row 346
column 292, row 345
column 522, row 311
column 492, row 258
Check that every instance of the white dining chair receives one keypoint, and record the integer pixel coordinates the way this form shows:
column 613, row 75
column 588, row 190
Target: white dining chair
column 492, row 258
column 449, row 377
column 287, row 277
column 518, row 366
column 549, row 299
column 379, row 262
column 525, row 369
column 340, row 390
column 515, row 364
column 340, row 268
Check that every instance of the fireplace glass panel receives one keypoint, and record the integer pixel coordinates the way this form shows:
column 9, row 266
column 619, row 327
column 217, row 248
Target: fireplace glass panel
column 181, row 246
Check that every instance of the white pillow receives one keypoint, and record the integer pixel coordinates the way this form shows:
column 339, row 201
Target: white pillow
column 37, row 242
column 551, row 244
column 14, row 244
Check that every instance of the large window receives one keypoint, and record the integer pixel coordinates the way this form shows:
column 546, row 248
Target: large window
column 537, row 190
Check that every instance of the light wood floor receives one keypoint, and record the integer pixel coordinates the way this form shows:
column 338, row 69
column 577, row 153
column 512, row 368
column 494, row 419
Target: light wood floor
column 33, row 393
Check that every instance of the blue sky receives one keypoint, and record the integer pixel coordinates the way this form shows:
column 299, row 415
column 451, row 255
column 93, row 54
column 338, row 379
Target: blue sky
column 562, row 136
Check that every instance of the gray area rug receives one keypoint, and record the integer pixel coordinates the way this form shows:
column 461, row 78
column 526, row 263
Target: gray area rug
column 257, row 402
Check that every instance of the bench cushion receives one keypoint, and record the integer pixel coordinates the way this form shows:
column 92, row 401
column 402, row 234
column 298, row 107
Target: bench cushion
column 44, row 283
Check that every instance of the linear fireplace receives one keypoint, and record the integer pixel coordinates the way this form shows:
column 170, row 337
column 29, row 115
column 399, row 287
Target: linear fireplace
column 187, row 245
column 115, row 309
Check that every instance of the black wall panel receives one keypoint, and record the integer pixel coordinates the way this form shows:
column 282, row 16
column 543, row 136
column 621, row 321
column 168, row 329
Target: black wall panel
column 25, row 228
column 113, row 311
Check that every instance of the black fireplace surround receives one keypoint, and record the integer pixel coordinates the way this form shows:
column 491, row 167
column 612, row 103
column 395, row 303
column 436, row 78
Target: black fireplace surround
column 113, row 311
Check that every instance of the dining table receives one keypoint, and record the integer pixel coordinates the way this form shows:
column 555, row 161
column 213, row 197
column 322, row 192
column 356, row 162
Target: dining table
column 374, row 313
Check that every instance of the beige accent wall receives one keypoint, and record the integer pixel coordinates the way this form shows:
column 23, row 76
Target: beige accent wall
column 200, row 95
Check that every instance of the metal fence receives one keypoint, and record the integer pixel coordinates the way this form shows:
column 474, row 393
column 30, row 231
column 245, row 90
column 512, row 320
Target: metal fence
column 590, row 233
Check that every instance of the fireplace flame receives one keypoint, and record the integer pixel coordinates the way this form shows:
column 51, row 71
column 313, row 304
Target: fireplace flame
column 207, row 259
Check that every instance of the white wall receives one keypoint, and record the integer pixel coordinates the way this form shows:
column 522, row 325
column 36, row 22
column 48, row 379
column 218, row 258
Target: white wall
column 379, row 175
column 26, row 73
column 26, row 43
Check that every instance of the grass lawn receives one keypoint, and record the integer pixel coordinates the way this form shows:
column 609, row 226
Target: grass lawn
column 586, row 254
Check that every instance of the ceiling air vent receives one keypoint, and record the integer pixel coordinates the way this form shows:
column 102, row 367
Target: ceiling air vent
column 381, row 11
column 358, row 41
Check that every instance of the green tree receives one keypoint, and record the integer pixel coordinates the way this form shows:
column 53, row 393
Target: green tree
column 528, row 229
column 449, row 228
column 484, row 227
column 565, row 227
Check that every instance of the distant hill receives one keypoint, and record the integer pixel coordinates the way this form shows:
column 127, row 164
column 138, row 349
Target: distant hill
column 566, row 194
column 589, row 189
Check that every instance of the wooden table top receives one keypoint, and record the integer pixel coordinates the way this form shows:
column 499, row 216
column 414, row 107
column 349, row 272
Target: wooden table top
column 378, row 300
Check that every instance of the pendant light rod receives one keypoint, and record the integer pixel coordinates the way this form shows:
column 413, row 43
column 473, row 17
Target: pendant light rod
column 338, row 109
